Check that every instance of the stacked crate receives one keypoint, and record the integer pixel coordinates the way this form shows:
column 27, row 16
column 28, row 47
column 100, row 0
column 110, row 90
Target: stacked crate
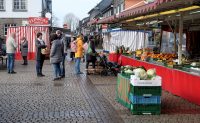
column 145, row 96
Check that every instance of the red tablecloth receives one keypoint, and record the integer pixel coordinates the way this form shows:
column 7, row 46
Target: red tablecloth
column 177, row 82
column 114, row 57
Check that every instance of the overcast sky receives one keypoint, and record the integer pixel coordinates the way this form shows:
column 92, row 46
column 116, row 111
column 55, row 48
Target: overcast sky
column 80, row 8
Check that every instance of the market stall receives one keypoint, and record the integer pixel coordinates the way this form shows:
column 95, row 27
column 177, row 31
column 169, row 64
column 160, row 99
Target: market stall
column 114, row 57
column 30, row 33
column 180, row 83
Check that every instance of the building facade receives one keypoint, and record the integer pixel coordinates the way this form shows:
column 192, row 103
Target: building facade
column 17, row 12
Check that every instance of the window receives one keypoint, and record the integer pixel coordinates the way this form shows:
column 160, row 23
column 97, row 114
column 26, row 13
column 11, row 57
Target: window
column 19, row 5
column 2, row 5
column 6, row 26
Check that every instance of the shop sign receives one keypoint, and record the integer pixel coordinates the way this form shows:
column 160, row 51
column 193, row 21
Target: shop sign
column 38, row 21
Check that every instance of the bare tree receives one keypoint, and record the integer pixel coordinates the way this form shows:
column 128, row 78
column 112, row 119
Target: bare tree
column 54, row 21
column 72, row 21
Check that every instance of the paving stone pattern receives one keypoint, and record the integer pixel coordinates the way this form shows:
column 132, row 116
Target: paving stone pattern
column 174, row 108
column 24, row 98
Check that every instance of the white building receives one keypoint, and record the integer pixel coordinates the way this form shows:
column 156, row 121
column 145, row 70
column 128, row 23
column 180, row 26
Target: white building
column 17, row 12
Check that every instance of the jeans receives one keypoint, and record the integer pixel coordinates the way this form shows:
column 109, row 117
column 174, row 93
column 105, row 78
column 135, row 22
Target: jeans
column 10, row 62
column 57, row 70
column 39, row 65
column 77, row 65
column 63, row 66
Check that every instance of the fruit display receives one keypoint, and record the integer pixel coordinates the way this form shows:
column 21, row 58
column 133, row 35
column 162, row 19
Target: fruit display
column 163, row 56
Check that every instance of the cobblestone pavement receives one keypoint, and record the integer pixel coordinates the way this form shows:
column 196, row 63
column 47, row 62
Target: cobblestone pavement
column 174, row 109
column 25, row 98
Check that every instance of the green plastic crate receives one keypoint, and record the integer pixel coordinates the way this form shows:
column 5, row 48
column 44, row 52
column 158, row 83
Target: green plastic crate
column 146, row 90
column 122, row 90
column 142, row 109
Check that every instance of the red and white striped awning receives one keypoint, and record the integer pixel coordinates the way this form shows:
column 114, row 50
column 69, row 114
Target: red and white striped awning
column 30, row 33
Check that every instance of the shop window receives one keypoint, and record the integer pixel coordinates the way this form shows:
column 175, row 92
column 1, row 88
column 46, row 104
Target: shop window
column 6, row 26
column 2, row 5
column 20, row 5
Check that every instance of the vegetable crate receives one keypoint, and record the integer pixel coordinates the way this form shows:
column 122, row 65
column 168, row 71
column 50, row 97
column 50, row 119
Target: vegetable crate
column 122, row 90
column 142, row 109
column 145, row 95
column 144, row 99
column 145, row 90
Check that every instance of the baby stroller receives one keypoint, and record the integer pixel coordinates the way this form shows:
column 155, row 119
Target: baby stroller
column 109, row 67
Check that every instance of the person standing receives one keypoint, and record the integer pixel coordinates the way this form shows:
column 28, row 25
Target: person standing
column 78, row 54
column 39, row 44
column 91, row 54
column 73, row 48
column 24, row 50
column 56, row 56
column 64, row 47
column 11, row 47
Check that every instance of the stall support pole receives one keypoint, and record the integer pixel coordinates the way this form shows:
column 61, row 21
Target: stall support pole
column 180, row 39
column 144, row 40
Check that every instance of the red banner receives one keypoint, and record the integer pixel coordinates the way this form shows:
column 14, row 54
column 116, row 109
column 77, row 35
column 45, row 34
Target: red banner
column 38, row 21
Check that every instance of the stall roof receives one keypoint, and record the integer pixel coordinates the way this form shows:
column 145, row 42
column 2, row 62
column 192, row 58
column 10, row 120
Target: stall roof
column 155, row 7
column 106, row 20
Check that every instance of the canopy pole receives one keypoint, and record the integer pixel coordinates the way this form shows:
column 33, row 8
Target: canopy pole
column 180, row 39
column 144, row 40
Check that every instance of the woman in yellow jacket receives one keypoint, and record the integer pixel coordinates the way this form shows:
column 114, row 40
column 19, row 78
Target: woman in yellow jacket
column 78, row 54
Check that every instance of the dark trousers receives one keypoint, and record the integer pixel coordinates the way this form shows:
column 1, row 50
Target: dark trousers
column 39, row 65
column 25, row 59
column 88, row 62
column 72, row 55
column 63, row 66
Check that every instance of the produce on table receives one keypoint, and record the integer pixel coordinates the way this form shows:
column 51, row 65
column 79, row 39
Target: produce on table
column 140, row 73
column 151, row 73
column 162, row 56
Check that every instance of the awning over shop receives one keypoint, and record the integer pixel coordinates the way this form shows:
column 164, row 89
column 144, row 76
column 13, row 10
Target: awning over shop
column 91, row 22
column 107, row 20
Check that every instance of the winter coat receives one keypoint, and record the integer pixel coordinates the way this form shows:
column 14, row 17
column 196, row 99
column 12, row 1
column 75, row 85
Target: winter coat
column 56, row 53
column 24, row 48
column 73, row 46
column 91, row 57
column 79, row 50
column 11, row 45
column 39, row 47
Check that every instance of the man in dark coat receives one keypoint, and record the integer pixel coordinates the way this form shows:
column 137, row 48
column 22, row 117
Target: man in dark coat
column 64, row 47
column 39, row 45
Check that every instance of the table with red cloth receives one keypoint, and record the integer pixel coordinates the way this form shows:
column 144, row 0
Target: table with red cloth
column 114, row 57
column 177, row 82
